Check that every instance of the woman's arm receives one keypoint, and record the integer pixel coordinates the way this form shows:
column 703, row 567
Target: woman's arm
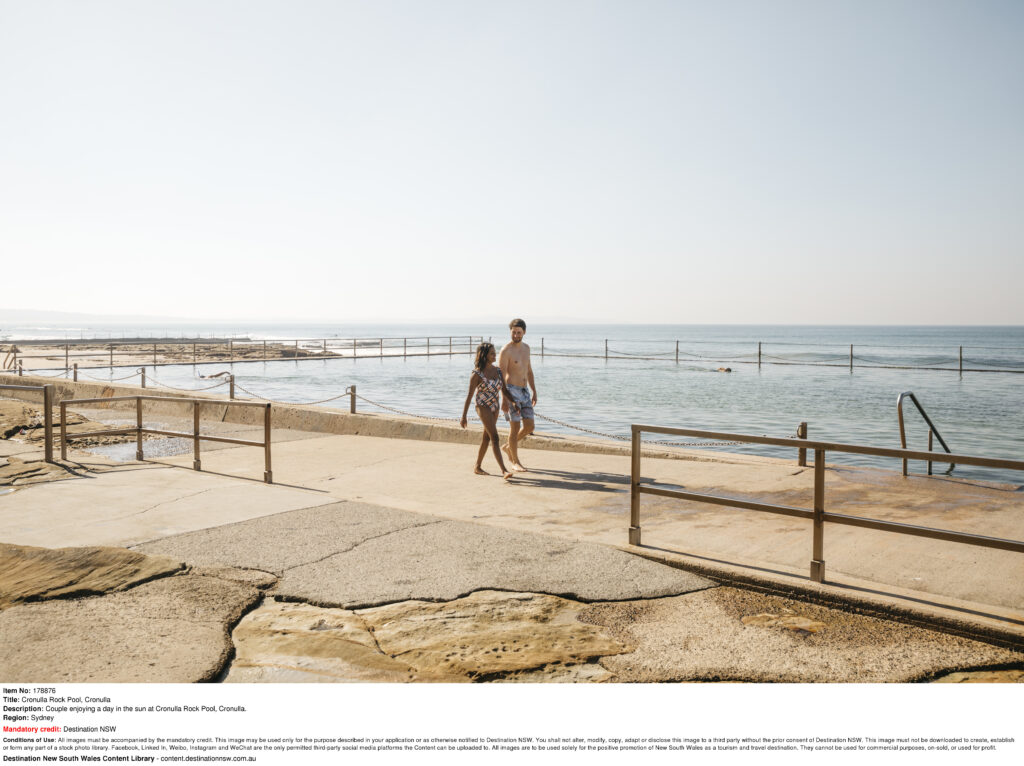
column 507, row 397
column 474, row 381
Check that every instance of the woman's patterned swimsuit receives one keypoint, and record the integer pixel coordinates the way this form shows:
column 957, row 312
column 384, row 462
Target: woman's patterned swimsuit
column 487, row 391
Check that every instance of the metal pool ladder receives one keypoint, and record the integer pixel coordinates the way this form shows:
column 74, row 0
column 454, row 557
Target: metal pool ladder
column 931, row 430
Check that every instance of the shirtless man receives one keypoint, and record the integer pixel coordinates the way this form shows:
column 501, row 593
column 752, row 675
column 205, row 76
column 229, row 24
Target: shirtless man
column 514, row 362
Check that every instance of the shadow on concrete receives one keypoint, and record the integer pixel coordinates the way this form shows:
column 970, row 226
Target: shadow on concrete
column 258, row 480
column 589, row 482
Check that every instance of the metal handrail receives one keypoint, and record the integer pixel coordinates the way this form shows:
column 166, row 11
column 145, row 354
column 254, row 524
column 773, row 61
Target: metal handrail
column 817, row 515
column 931, row 430
column 47, row 391
column 196, row 437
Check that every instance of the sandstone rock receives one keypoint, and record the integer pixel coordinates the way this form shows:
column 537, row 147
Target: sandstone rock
column 491, row 633
column 37, row 574
column 729, row 634
column 789, row 620
column 285, row 642
column 172, row 630
column 984, row 677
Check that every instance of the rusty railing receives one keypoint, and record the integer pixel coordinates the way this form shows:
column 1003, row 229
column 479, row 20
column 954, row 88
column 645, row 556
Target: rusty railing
column 196, row 437
column 47, row 392
column 818, row 515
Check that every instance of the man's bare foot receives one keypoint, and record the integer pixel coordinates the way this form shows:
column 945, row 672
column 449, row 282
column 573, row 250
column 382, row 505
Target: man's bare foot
column 516, row 465
column 480, row 471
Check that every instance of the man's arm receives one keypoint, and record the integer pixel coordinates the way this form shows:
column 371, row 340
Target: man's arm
column 529, row 377
column 503, row 364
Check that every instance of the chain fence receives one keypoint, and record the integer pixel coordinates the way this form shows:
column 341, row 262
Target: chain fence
column 398, row 411
column 178, row 388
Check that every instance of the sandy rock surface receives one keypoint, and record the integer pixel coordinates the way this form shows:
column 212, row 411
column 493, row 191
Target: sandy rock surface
column 39, row 574
column 984, row 677
column 489, row 635
column 171, row 630
column 728, row 634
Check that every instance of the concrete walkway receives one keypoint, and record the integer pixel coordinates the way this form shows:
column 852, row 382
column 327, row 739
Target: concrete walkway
column 574, row 496
column 356, row 523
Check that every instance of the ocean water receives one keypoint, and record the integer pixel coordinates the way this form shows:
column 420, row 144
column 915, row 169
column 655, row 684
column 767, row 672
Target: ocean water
column 804, row 376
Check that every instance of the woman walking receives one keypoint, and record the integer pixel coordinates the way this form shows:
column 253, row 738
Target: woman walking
column 487, row 382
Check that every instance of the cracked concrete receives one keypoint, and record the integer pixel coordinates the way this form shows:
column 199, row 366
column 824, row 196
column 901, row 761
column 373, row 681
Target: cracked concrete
column 331, row 556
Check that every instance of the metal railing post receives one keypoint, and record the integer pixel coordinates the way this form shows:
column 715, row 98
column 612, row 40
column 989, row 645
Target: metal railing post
column 353, row 348
column 851, row 357
column 264, row 351
column 231, row 350
column 154, row 355
column 606, row 349
column 66, row 354
column 818, row 545
column 325, row 346
column 352, row 400
column 801, row 433
column 142, row 372
column 21, row 369
column 405, row 346
column 541, row 348
column 63, row 431
column 428, row 345
column 193, row 354
column 111, row 358
column 48, row 422
column 961, row 360
column 381, row 348
column 268, row 474
column 931, row 433
column 76, row 372
column 197, row 463
column 759, row 354
column 634, row 490
column 138, row 428
column 450, row 345
column 677, row 352
column 231, row 386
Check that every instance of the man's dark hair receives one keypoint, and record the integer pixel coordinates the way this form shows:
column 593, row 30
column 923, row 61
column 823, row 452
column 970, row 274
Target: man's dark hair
column 517, row 323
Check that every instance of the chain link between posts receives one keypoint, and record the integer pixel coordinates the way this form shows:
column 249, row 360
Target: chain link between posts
column 82, row 374
column 176, row 388
column 277, row 401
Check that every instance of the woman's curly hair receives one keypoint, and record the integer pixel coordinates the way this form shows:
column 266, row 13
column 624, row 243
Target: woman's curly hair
column 482, row 352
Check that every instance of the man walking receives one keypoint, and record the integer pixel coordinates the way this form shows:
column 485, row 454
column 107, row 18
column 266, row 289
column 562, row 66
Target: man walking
column 514, row 362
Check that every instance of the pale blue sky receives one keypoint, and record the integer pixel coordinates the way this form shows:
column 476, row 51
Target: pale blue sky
column 785, row 162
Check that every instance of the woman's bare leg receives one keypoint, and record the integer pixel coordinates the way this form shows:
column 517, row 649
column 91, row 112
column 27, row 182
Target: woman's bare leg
column 490, row 421
column 481, row 452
